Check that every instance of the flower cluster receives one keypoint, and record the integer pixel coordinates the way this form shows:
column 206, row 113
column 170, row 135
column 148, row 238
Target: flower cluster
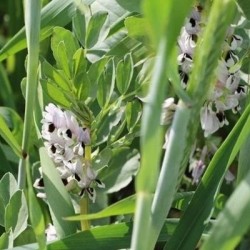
column 225, row 95
column 65, row 142
column 228, row 90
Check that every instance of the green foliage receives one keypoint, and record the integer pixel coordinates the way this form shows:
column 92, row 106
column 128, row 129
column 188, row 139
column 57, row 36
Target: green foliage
column 57, row 197
column 16, row 214
column 112, row 63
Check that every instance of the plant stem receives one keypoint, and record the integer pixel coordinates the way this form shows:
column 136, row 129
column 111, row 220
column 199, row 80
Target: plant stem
column 32, row 27
column 84, row 205
column 84, row 202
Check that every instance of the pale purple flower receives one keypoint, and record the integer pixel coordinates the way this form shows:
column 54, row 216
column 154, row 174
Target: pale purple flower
column 168, row 109
column 51, row 234
column 65, row 141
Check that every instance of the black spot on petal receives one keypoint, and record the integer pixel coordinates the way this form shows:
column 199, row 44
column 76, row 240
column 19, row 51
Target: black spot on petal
column 90, row 190
column 65, row 182
column 240, row 89
column 192, row 21
column 98, row 181
column 40, row 183
column 220, row 116
column 51, row 128
column 194, row 38
column 77, row 177
column 82, row 192
column 186, row 55
column 69, row 133
column 53, row 148
column 185, row 78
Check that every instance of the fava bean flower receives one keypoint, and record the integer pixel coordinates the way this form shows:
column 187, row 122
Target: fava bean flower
column 65, row 141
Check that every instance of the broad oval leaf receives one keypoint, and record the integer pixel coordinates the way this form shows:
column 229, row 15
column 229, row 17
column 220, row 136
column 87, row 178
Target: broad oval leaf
column 123, row 166
column 124, row 73
column 64, row 46
column 16, row 214
column 97, row 29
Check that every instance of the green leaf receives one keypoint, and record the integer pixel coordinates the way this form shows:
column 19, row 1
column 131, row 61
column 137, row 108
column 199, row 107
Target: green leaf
column 192, row 224
column 124, row 73
column 14, row 122
column 94, row 73
column 5, row 165
column 125, row 206
column 79, row 26
column 102, row 159
column 8, row 186
column 133, row 114
column 54, row 93
column 56, row 13
column 26, row 237
column 58, row 198
column 4, row 241
column 6, row 91
column 167, row 11
column 81, row 79
column 245, row 7
column 9, row 137
column 130, row 5
column 122, row 167
column 64, row 46
column 97, row 29
column 36, row 215
column 110, row 237
column 231, row 224
column 106, row 84
column 136, row 27
column 16, row 214
column 56, row 76
column 107, row 122
column 243, row 165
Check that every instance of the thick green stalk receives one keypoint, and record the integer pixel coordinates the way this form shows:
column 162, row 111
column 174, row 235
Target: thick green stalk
column 32, row 27
column 164, row 34
column 151, row 142
column 84, row 202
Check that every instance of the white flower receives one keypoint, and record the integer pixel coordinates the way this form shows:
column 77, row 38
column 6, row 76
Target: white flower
column 186, row 43
column 229, row 177
column 227, row 103
column 51, row 233
column 235, row 42
column 168, row 109
column 211, row 121
column 65, row 141
column 192, row 25
column 198, row 168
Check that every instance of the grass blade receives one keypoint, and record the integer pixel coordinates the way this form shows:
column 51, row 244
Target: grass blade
column 125, row 206
column 32, row 25
column 151, row 131
column 56, row 13
column 192, row 224
column 231, row 224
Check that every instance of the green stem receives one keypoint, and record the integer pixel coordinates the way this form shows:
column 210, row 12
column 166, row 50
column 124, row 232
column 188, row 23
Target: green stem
column 84, row 205
column 32, row 27
column 84, row 202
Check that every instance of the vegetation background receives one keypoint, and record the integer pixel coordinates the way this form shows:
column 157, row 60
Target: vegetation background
column 113, row 63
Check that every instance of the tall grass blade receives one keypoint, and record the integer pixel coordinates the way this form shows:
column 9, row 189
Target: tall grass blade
column 32, row 27
column 232, row 224
column 151, row 131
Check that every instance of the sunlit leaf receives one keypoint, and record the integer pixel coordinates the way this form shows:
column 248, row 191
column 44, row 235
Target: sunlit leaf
column 16, row 214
